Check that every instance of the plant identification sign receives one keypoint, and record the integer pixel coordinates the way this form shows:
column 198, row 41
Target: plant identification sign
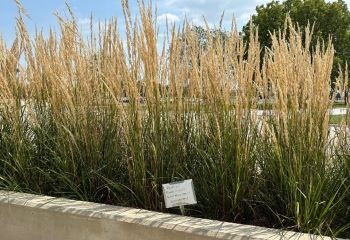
column 179, row 193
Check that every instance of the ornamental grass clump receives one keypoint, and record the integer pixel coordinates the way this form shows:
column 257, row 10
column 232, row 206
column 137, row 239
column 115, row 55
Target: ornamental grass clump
column 301, row 185
column 109, row 119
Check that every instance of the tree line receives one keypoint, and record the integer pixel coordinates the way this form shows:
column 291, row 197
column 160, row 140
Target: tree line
column 329, row 20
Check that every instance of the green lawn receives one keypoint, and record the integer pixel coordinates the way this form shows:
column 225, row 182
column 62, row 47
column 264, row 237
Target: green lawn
column 339, row 105
column 337, row 119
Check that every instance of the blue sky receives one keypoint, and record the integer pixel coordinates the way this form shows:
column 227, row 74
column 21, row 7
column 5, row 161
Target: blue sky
column 41, row 12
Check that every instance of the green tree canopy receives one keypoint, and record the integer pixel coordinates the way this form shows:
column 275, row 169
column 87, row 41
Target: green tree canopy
column 330, row 19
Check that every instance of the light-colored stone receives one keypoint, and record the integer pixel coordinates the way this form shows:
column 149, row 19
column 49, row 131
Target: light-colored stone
column 32, row 217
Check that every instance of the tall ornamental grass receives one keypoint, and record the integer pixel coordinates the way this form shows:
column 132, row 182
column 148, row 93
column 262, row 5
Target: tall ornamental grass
column 110, row 119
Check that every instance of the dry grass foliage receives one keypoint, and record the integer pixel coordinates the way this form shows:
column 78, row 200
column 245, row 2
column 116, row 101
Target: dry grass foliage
column 108, row 119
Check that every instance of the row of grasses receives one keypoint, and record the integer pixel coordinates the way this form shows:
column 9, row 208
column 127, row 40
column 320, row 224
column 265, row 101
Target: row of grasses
column 109, row 120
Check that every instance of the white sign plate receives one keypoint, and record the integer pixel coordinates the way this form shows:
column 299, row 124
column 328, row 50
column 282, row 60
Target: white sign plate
column 179, row 193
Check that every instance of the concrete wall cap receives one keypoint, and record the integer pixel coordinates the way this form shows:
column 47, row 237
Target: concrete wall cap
column 197, row 226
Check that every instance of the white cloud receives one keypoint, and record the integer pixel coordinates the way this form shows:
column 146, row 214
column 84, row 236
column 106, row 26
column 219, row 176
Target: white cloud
column 212, row 10
column 245, row 17
column 84, row 25
column 194, row 10
column 84, row 21
column 171, row 18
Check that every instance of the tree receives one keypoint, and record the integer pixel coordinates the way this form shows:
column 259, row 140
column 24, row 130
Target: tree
column 330, row 19
column 204, row 35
